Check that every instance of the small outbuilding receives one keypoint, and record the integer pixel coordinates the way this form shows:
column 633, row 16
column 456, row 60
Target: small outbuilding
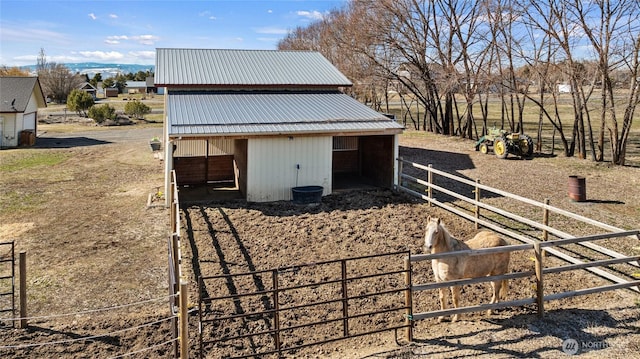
column 89, row 88
column 269, row 121
column 20, row 98
column 111, row 91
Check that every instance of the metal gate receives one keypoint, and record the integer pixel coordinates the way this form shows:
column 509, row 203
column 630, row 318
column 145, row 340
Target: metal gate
column 7, row 283
column 293, row 303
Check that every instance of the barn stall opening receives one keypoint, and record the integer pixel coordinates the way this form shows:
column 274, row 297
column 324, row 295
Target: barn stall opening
column 222, row 162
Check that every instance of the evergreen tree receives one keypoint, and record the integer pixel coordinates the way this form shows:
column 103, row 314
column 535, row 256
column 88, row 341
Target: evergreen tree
column 80, row 101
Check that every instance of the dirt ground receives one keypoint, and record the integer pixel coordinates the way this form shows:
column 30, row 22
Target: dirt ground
column 92, row 243
column 235, row 237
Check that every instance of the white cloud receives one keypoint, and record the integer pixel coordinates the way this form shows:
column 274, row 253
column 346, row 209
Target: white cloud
column 102, row 56
column 32, row 34
column 270, row 11
column 268, row 39
column 93, row 16
column 313, row 15
column 141, row 39
column 113, row 16
column 208, row 15
column 149, row 55
column 114, row 40
column 272, row 31
column 60, row 59
column 145, row 39
column 26, row 58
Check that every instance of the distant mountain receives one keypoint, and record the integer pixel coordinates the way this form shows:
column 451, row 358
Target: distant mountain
column 106, row 70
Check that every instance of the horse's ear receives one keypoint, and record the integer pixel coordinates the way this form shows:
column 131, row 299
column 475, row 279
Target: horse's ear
column 429, row 218
column 438, row 220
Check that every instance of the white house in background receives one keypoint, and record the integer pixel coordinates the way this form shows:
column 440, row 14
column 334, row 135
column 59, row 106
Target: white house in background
column 20, row 98
column 564, row 88
column 269, row 121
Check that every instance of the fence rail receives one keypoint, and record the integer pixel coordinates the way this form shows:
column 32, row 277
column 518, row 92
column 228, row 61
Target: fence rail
column 177, row 291
column 538, row 273
column 539, row 247
column 544, row 227
column 275, row 308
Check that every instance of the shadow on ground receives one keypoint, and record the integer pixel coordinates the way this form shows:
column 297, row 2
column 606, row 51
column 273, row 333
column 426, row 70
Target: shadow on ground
column 449, row 162
column 67, row 142
column 564, row 330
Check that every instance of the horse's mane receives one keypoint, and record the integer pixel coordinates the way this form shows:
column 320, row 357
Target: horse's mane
column 452, row 242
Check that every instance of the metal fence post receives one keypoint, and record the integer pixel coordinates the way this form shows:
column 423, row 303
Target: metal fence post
column 23, row 289
column 276, row 311
column 345, row 299
column 408, row 299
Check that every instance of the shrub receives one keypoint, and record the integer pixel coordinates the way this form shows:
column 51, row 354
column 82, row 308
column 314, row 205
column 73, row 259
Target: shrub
column 79, row 101
column 102, row 113
column 136, row 109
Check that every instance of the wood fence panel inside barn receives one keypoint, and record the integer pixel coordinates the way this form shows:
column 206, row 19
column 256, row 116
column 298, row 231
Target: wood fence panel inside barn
column 190, row 170
column 220, row 168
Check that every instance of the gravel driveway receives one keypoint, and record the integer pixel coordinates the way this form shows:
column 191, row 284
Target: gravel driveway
column 93, row 138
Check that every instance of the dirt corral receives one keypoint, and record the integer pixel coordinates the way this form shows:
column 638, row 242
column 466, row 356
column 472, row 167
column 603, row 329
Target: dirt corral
column 236, row 237
column 93, row 244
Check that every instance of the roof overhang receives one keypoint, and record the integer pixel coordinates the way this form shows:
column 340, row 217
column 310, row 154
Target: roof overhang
column 250, row 114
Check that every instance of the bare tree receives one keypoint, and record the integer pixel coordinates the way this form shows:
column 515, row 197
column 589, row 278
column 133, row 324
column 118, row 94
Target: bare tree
column 56, row 80
column 611, row 33
column 430, row 51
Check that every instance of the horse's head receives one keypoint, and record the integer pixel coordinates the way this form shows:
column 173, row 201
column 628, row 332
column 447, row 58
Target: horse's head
column 433, row 233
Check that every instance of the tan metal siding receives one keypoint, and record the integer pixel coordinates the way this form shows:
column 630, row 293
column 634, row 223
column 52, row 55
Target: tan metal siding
column 272, row 164
column 220, row 146
column 190, row 148
column 196, row 148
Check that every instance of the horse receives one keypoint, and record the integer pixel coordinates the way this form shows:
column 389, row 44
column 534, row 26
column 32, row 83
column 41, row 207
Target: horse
column 438, row 240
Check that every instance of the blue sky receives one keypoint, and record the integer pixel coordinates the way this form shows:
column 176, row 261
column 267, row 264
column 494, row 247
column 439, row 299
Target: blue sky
column 129, row 31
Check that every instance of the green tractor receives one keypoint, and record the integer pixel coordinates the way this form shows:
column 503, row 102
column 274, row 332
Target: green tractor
column 504, row 142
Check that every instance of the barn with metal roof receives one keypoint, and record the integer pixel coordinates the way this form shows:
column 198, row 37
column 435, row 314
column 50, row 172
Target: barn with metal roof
column 268, row 121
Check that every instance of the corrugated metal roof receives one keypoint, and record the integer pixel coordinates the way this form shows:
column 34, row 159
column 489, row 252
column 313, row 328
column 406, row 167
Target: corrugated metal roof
column 243, row 113
column 245, row 68
column 16, row 90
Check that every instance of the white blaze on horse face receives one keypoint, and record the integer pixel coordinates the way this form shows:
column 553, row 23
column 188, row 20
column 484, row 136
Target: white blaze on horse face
column 430, row 235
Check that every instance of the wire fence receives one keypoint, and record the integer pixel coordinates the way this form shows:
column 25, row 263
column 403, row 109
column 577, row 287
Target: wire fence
column 114, row 333
column 177, row 311
column 89, row 311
